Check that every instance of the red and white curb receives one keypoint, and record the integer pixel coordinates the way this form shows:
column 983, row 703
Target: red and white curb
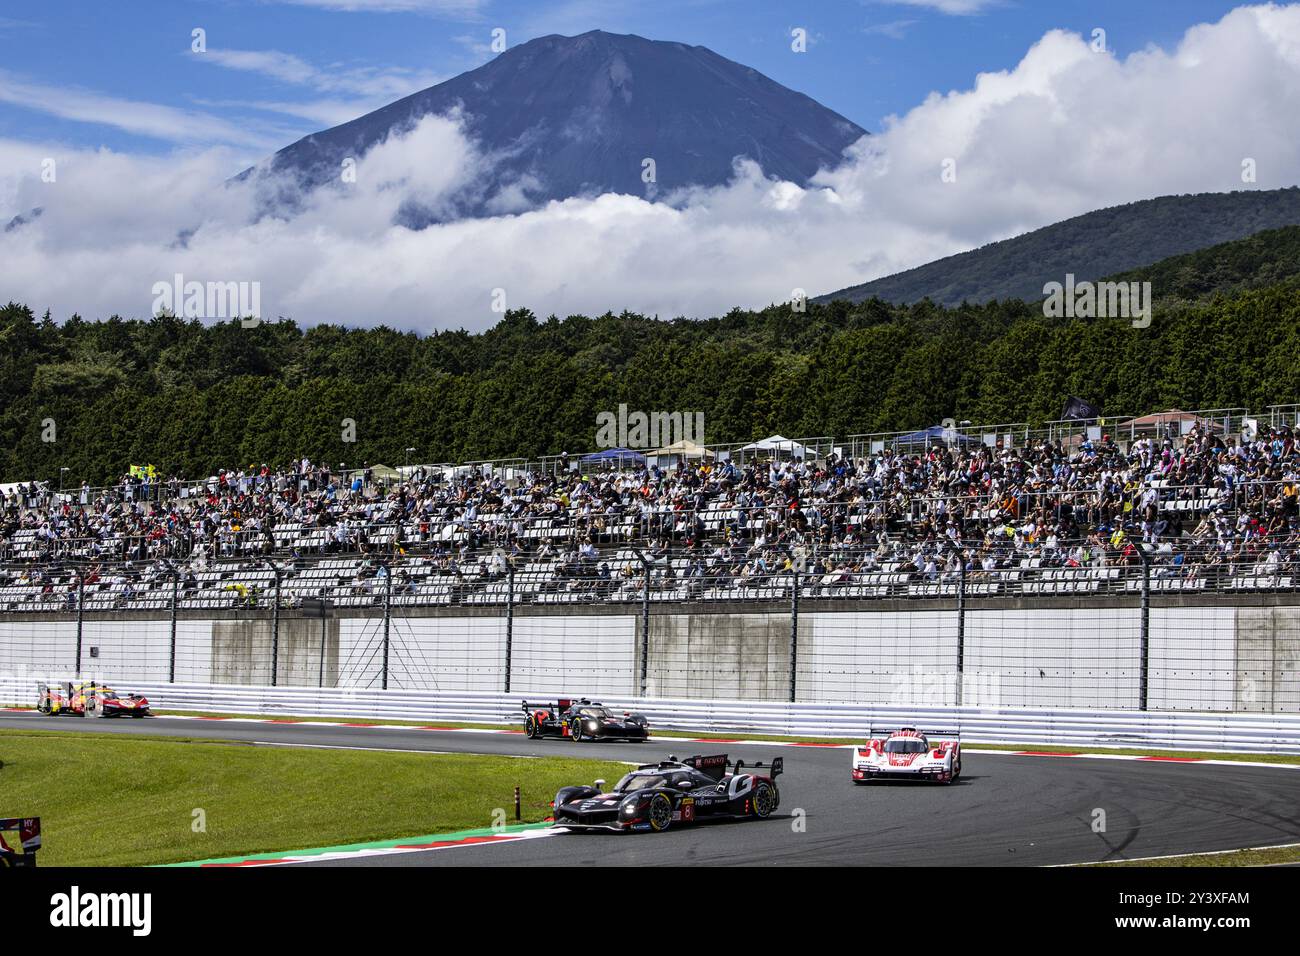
column 290, row 859
column 739, row 742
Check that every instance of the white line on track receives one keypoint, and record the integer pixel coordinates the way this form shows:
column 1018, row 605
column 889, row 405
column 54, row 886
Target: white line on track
column 1179, row 856
column 289, row 859
column 974, row 748
column 391, row 750
column 404, row 750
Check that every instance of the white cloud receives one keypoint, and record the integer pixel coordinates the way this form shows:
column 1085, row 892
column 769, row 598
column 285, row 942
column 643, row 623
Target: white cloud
column 133, row 116
column 1065, row 131
column 893, row 29
column 457, row 8
column 382, row 85
column 959, row 8
column 321, row 113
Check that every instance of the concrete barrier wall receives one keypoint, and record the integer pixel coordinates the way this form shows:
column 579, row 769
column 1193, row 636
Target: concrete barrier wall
column 1192, row 665
column 594, row 654
column 1062, row 658
column 722, row 655
column 1267, row 659
column 895, row 657
column 1208, row 657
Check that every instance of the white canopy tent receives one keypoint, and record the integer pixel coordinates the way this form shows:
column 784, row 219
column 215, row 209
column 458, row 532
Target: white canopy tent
column 684, row 449
column 780, row 445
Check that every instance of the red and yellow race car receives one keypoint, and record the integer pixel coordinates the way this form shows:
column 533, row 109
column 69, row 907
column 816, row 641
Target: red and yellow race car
column 87, row 697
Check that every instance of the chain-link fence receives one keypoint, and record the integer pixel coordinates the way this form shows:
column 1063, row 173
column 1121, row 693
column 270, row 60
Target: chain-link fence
column 1140, row 633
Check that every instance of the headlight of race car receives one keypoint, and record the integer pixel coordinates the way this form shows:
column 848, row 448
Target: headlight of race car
column 628, row 809
column 592, row 725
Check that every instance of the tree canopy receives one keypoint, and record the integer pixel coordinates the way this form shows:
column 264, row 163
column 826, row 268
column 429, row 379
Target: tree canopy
column 190, row 398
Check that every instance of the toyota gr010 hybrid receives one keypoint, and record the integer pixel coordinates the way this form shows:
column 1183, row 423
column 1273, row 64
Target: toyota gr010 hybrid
column 908, row 754
column 657, row 795
column 20, row 838
column 88, row 697
column 581, row 720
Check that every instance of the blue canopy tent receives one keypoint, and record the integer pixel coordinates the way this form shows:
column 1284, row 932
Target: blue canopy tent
column 935, row 435
column 615, row 456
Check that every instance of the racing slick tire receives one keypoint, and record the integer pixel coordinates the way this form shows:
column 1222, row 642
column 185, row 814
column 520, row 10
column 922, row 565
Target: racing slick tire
column 530, row 727
column 660, row 812
column 575, row 731
column 763, row 802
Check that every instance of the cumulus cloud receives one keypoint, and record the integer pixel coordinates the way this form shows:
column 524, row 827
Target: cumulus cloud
column 1065, row 131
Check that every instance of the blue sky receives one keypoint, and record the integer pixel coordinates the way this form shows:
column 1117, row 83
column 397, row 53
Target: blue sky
column 124, row 139
column 86, row 73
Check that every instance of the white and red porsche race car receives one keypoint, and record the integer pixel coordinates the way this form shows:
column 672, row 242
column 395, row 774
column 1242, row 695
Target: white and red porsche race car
column 908, row 754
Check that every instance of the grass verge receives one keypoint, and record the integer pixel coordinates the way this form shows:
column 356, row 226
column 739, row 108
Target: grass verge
column 1258, row 856
column 776, row 738
column 975, row 748
column 106, row 800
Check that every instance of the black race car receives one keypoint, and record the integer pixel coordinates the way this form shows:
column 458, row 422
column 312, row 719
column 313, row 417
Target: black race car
column 582, row 720
column 657, row 795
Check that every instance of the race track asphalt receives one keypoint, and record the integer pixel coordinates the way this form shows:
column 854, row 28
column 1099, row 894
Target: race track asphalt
column 1005, row 810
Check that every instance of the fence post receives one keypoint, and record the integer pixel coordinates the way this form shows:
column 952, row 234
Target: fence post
column 510, row 618
column 388, row 604
column 961, row 630
column 275, row 628
column 794, row 634
column 171, row 666
column 324, row 628
column 644, row 681
column 1144, row 645
column 81, row 605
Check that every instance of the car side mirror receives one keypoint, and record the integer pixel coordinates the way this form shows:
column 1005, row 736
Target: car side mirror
column 599, row 785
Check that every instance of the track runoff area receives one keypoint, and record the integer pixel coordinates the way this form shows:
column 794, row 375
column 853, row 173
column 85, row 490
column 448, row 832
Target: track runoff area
column 1009, row 809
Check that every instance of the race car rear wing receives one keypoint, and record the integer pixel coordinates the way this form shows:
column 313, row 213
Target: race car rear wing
column 775, row 767
column 563, row 704
column 929, row 734
column 717, row 765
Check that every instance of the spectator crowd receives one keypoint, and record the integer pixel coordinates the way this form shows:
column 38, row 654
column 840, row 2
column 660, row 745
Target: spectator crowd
column 1201, row 504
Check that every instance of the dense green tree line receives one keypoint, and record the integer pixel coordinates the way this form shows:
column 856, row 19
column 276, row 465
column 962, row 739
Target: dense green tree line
column 190, row 398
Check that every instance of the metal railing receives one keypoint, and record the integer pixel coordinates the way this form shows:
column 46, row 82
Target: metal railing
column 1078, row 727
column 644, row 586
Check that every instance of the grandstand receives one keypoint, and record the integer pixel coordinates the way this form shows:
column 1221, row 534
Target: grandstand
column 1079, row 510
column 1148, row 564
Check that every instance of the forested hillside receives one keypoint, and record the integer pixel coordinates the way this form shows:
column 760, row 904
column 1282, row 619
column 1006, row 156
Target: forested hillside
column 189, row 398
column 1269, row 258
column 1090, row 246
